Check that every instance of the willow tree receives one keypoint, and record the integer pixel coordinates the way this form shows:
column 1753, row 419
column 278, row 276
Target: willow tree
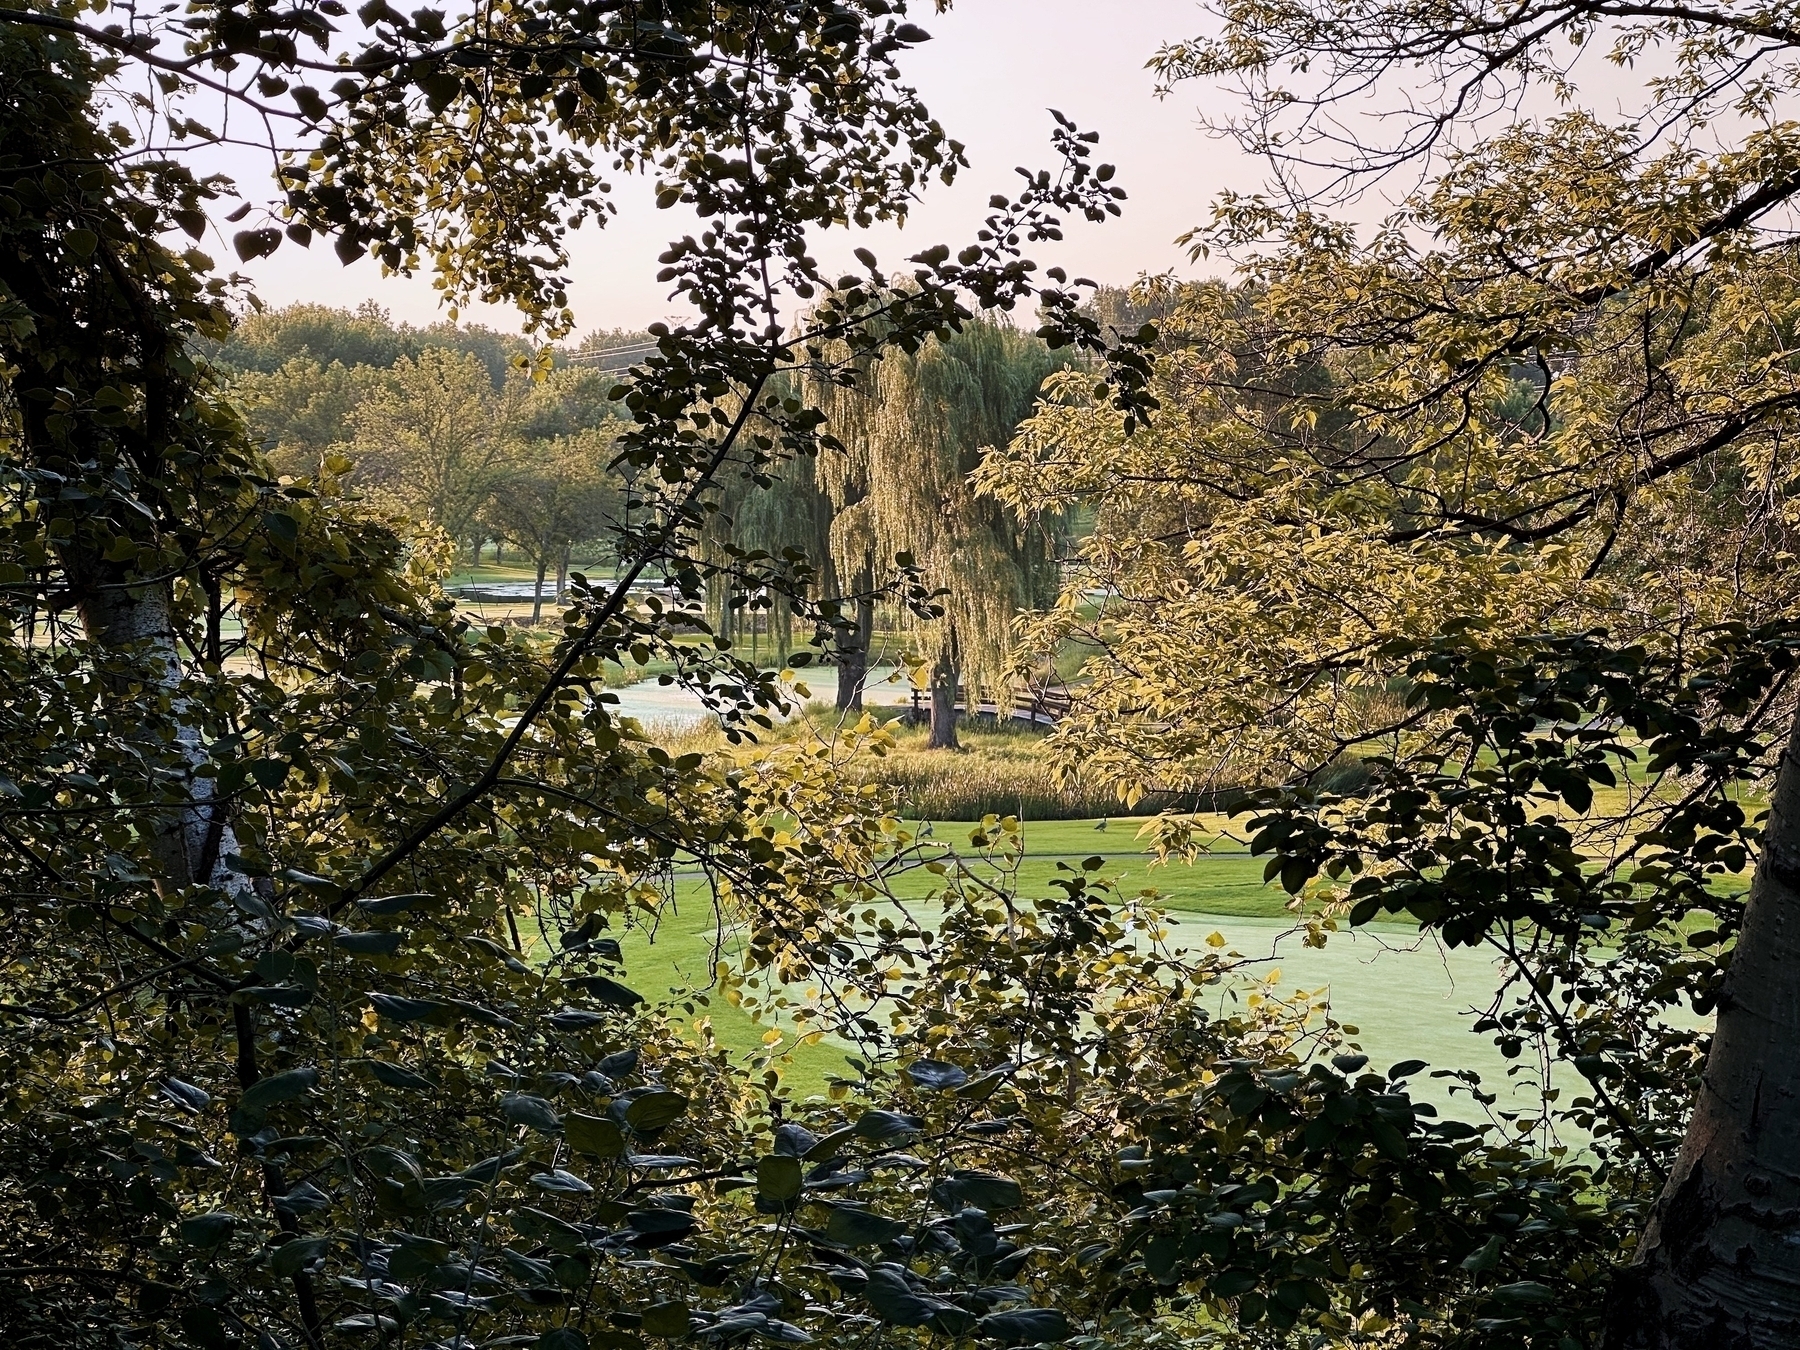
column 899, row 488
column 763, row 524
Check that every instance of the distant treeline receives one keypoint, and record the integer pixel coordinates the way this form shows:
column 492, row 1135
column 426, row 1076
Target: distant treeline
column 368, row 336
column 443, row 422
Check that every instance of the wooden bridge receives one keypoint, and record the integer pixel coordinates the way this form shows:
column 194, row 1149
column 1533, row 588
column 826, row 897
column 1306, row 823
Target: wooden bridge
column 1035, row 706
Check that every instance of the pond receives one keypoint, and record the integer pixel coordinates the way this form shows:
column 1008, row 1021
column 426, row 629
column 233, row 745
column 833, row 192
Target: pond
column 670, row 704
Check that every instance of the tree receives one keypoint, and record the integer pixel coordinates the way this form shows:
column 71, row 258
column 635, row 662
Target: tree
column 302, row 412
column 899, row 486
column 1554, row 388
column 552, row 496
column 266, row 340
column 763, row 524
column 435, row 436
column 280, row 1065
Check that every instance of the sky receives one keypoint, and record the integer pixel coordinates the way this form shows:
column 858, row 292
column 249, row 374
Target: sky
column 991, row 73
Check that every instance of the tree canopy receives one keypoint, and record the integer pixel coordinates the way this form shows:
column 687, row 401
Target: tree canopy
column 320, row 1029
column 316, row 1027
column 1551, row 393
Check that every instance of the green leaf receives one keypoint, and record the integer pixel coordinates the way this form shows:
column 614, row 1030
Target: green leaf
column 1485, row 1257
column 1525, row 1291
column 521, row 1108
column 208, row 1230
column 665, row 1319
column 794, row 1141
column 895, row 1302
column 394, row 904
column 778, row 1177
column 665, row 1225
column 395, row 1076
column 935, row 1075
column 290, row 1258
column 281, row 1087
column 607, row 991
column 1025, row 1326
column 548, row 1229
column 849, row 1226
column 255, row 243
column 576, row 1019
column 983, row 1190
column 883, row 1127
column 370, row 944
column 655, row 1110
column 488, row 1170
column 1232, row 1283
column 827, row 1147
column 398, row 1009
column 559, row 1182
column 81, row 243
column 593, row 1135
column 562, row 1338
column 310, row 103
column 312, row 882
column 1388, row 1140
column 414, row 1256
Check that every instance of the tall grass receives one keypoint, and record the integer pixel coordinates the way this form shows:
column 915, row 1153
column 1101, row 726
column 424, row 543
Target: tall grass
column 1003, row 769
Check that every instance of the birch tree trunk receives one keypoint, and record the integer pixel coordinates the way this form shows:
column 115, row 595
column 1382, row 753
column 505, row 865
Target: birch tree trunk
column 1718, row 1267
column 135, row 624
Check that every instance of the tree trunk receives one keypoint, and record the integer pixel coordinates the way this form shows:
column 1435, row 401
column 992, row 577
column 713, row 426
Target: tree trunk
column 537, row 594
column 136, row 624
column 853, row 659
column 562, row 574
column 943, row 707
column 1719, row 1263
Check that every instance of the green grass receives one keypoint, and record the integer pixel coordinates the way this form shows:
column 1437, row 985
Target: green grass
column 677, row 959
column 676, row 962
column 1407, row 997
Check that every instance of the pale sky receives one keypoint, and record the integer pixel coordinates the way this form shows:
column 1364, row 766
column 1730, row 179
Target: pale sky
column 993, row 69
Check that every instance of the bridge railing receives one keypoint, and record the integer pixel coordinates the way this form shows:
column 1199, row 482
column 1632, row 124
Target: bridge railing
column 1038, row 706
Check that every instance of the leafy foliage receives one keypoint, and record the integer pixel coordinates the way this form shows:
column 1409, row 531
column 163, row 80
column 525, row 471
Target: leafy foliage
column 316, row 1027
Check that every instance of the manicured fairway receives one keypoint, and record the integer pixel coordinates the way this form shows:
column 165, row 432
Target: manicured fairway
column 1408, row 997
